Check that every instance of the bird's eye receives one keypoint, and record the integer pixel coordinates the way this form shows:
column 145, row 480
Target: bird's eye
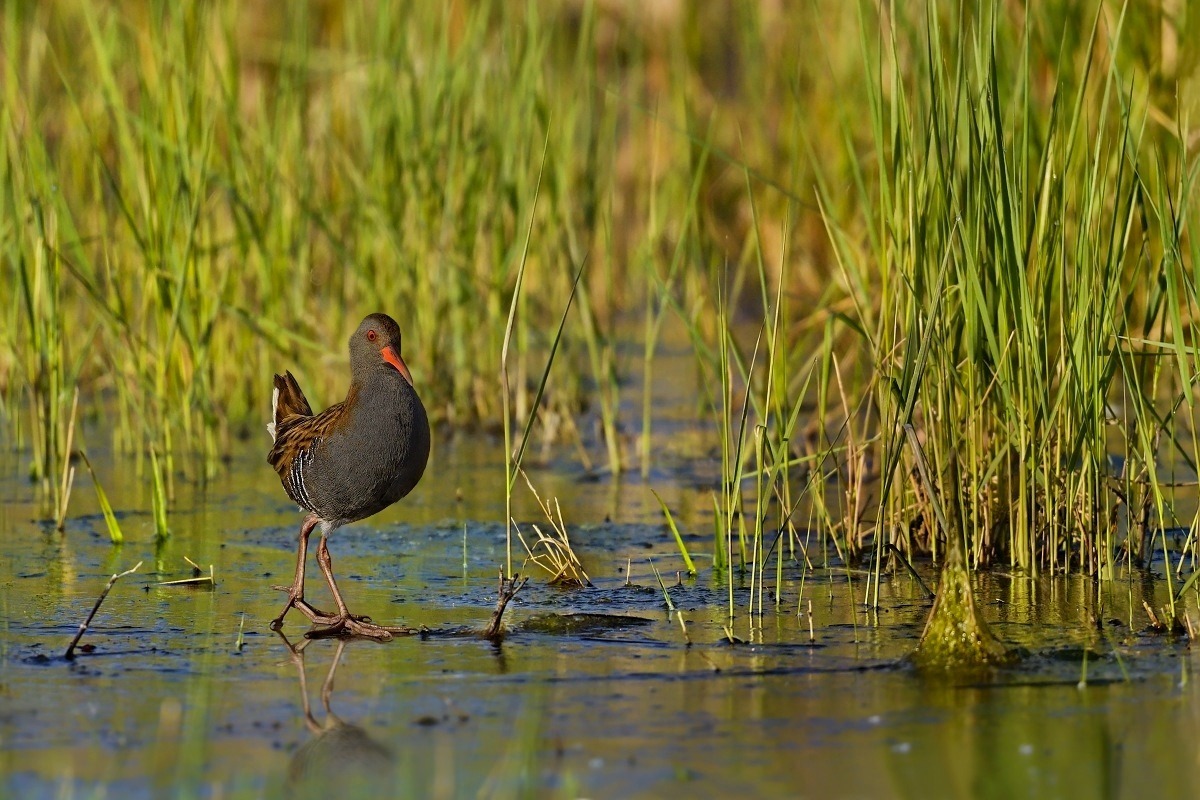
column 371, row 336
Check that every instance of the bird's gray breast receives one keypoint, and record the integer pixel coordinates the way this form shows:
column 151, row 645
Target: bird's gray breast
column 375, row 458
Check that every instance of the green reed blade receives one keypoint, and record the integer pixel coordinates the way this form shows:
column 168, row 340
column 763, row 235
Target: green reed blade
column 110, row 519
column 687, row 559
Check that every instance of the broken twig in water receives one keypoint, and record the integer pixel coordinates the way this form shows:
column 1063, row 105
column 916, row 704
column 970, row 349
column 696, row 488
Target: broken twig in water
column 198, row 577
column 83, row 626
column 508, row 590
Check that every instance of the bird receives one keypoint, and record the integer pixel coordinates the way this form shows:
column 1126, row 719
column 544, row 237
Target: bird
column 351, row 461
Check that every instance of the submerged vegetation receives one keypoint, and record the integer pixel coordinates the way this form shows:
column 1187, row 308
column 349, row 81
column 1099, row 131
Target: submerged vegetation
column 971, row 223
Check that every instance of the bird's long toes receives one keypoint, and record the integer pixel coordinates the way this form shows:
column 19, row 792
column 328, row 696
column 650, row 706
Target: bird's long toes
column 370, row 631
column 353, row 625
column 315, row 614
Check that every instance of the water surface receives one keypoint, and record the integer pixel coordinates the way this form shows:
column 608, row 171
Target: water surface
column 594, row 692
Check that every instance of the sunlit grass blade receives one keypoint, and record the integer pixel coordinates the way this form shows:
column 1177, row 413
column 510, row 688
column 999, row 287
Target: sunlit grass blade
column 110, row 519
column 541, row 387
column 68, row 469
column 683, row 551
column 159, row 498
column 511, row 467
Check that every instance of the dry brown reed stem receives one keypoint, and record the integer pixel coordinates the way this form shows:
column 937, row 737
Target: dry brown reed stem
column 198, row 577
column 559, row 559
column 68, row 472
column 83, row 626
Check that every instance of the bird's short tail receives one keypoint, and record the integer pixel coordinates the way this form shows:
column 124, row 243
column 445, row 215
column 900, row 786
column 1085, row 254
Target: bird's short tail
column 287, row 401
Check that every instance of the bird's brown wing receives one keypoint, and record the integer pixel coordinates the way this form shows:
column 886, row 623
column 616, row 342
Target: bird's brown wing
column 297, row 437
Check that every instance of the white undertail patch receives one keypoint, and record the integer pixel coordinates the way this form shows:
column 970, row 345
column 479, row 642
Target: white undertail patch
column 274, row 413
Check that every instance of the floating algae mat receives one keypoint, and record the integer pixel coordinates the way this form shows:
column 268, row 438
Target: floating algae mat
column 593, row 691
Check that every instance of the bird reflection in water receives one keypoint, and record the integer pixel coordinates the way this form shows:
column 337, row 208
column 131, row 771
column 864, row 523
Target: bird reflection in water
column 340, row 759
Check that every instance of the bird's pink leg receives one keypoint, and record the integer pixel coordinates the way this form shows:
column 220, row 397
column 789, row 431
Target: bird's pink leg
column 295, row 592
column 345, row 622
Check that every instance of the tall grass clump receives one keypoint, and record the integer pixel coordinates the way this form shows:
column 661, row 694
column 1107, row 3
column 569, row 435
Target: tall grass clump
column 1011, row 279
column 234, row 184
column 1016, row 262
column 204, row 192
column 970, row 219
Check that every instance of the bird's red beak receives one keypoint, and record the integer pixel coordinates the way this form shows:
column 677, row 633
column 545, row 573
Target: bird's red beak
column 392, row 357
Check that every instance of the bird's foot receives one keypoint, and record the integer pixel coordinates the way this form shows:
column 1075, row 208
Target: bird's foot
column 296, row 600
column 353, row 625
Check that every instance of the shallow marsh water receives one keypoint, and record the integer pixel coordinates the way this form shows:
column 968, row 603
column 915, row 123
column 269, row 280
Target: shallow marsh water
column 594, row 692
